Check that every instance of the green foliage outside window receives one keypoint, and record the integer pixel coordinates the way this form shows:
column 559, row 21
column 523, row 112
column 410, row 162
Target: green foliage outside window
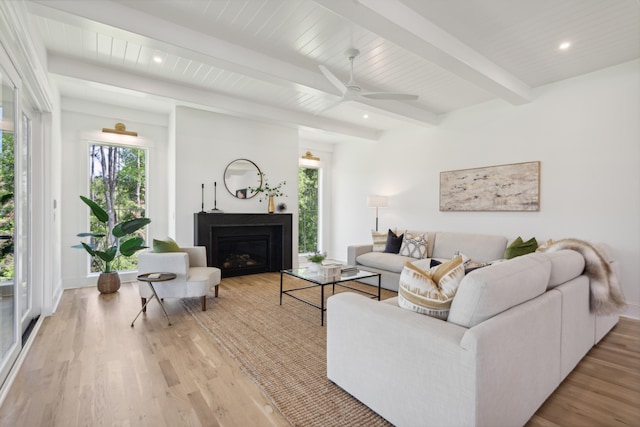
column 7, row 207
column 307, row 210
column 117, row 182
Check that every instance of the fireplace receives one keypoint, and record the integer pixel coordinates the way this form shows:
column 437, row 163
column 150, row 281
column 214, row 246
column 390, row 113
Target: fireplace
column 240, row 244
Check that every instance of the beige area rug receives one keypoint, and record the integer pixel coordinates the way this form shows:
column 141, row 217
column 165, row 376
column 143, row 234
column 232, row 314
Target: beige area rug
column 282, row 348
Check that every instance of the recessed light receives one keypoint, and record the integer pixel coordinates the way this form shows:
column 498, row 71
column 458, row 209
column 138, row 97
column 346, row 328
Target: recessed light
column 157, row 59
column 365, row 116
column 564, row 45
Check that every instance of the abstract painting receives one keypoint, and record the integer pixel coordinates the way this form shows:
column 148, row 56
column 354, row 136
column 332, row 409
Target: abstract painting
column 513, row 187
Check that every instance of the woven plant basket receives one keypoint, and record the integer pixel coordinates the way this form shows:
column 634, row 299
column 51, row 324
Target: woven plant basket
column 108, row 283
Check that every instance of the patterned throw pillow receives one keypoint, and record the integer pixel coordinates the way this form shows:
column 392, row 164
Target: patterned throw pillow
column 379, row 240
column 414, row 245
column 430, row 291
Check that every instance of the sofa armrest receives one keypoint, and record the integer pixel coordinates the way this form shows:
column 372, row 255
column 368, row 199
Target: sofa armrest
column 197, row 255
column 355, row 251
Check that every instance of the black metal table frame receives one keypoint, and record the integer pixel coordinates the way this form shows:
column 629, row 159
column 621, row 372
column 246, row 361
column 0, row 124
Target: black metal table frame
column 339, row 282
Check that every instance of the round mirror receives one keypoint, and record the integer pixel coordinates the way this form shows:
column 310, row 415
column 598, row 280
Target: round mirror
column 241, row 175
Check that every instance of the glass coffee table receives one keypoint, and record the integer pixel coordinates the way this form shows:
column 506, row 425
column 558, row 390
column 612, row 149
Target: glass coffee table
column 317, row 280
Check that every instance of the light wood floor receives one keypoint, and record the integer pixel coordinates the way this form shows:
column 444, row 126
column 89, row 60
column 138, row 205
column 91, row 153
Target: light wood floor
column 88, row 367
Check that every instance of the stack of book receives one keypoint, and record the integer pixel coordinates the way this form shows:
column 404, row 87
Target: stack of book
column 349, row 269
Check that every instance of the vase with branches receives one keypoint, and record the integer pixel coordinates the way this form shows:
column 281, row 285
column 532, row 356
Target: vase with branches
column 268, row 192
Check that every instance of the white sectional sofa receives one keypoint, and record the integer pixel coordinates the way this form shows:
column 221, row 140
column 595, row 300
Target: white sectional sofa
column 515, row 330
column 479, row 247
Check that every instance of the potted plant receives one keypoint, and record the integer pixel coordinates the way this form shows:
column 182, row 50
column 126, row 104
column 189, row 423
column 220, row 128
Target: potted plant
column 106, row 248
column 316, row 260
column 268, row 192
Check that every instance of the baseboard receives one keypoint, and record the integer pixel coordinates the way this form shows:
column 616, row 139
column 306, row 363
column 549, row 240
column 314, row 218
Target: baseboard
column 57, row 297
column 13, row 373
column 632, row 311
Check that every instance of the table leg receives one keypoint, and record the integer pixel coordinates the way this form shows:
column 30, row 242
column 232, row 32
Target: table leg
column 144, row 308
column 379, row 283
column 160, row 302
column 281, row 288
column 321, row 305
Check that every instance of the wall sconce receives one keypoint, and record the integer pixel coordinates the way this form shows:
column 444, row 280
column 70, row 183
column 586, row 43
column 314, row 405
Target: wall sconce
column 120, row 129
column 377, row 202
column 311, row 157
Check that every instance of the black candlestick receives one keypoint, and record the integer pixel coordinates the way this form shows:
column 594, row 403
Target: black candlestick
column 215, row 199
column 202, row 197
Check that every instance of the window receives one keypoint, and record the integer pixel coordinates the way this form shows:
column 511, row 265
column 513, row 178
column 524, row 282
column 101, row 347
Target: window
column 118, row 183
column 308, row 210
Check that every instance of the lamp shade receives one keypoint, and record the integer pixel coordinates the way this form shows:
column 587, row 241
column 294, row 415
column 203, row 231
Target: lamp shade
column 377, row 201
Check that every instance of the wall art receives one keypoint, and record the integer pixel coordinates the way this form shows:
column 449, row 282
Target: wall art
column 512, row 187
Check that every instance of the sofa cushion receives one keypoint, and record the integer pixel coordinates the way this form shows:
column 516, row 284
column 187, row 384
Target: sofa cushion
column 393, row 242
column 565, row 265
column 430, row 291
column 379, row 240
column 519, row 247
column 478, row 247
column 383, row 261
column 414, row 245
column 488, row 291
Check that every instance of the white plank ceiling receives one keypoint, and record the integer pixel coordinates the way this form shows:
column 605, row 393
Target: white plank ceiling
column 260, row 58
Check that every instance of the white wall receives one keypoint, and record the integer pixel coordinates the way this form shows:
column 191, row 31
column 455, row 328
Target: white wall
column 82, row 123
column 586, row 133
column 52, row 193
column 206, row 143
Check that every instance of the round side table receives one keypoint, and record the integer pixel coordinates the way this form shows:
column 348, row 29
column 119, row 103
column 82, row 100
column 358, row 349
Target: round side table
column 150, row 278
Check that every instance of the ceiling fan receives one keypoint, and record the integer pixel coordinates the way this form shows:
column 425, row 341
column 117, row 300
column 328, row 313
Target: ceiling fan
column 351, row 91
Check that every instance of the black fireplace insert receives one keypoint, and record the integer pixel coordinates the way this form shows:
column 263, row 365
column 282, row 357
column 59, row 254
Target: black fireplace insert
column 242, row 244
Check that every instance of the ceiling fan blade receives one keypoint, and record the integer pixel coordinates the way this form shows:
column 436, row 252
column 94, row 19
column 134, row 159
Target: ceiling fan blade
column 389, row 95
column 333, row 79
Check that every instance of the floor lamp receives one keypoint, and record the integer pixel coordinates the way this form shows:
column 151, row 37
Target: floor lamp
column 377, row 202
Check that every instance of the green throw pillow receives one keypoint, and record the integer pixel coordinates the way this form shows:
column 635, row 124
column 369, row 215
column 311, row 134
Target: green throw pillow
column 168, row 245
column 519, row 247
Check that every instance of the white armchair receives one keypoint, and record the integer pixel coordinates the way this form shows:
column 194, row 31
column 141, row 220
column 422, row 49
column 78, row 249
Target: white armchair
column 193, row 277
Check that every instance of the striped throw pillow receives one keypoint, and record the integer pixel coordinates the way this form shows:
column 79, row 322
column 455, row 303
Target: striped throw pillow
column 430, row 291
column 379, row 240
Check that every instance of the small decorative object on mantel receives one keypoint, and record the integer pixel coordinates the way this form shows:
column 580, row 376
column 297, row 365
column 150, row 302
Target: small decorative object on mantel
column 202, row 200
column 282, row 207
column 215, row 199
column 268, row 192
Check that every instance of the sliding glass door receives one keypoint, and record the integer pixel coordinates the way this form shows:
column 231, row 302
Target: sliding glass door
column 9, row 345
column 23, row 225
